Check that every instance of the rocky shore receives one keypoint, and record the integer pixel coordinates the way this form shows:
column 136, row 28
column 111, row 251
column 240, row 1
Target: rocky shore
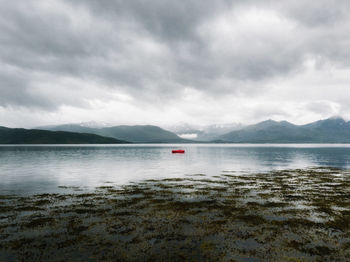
column 288, row 215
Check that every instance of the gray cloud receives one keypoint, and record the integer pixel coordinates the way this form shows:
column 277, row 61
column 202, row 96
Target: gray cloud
column 63, row 53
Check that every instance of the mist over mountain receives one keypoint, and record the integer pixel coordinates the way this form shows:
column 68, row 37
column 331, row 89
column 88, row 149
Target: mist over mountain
column 35, row 136
column 203, row 133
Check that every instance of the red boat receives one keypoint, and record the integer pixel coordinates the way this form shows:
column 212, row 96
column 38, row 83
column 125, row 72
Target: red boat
column 178, row 151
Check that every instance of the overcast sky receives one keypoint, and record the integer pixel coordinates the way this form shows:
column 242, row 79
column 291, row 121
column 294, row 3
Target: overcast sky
column 166, row 62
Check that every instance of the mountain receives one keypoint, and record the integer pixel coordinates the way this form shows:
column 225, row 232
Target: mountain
column 35, row 136
column 76, row 128
column 142, row 134
column 136, row 134
column 332, row 130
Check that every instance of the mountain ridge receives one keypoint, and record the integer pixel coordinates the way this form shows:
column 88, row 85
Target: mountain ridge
column 132, row 133
column 331, row 130
column 37, row 136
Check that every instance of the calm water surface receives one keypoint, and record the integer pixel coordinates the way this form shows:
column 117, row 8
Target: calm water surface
column 40, row 169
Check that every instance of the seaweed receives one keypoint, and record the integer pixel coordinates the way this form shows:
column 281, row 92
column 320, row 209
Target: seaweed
column 289, row 215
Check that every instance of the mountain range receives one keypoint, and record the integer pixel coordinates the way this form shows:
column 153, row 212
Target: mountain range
column 331, row 130
column 35, row 136
column 134, row 134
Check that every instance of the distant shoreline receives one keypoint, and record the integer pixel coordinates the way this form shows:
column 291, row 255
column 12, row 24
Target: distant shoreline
column 186, row 144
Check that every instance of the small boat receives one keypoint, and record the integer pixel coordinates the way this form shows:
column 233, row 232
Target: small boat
column 178, row 151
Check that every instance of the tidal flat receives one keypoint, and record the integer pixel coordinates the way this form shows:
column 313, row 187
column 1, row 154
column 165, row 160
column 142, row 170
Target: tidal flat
column 285, row 215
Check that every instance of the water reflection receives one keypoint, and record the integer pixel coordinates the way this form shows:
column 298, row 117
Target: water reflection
column 29, row 169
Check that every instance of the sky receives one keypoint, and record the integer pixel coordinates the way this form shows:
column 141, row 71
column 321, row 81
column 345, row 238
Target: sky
column 167, row 62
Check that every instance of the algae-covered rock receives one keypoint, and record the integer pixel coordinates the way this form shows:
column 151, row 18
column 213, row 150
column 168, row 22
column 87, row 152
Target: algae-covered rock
column 288, row 215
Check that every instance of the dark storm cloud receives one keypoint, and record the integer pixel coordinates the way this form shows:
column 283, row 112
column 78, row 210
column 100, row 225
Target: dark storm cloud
column 55, row 53
column 191, row 60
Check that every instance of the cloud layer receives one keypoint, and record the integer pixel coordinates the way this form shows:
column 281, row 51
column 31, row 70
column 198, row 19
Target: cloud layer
column 165, row 62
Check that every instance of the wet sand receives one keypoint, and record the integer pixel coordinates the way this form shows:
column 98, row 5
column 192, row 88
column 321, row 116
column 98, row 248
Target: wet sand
column 289, row 215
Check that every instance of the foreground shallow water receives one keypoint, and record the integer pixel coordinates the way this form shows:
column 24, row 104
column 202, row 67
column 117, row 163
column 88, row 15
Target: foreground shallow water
column 279, row 215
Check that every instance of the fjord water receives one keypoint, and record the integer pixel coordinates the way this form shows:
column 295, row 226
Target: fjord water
column 50, row 168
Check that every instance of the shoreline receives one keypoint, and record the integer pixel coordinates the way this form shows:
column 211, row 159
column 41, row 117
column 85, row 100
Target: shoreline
column 289, row 215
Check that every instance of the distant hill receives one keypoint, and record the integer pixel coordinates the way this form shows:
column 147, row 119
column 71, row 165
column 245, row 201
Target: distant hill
column 332, row 130
column 35, row 136
column 136, row 134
